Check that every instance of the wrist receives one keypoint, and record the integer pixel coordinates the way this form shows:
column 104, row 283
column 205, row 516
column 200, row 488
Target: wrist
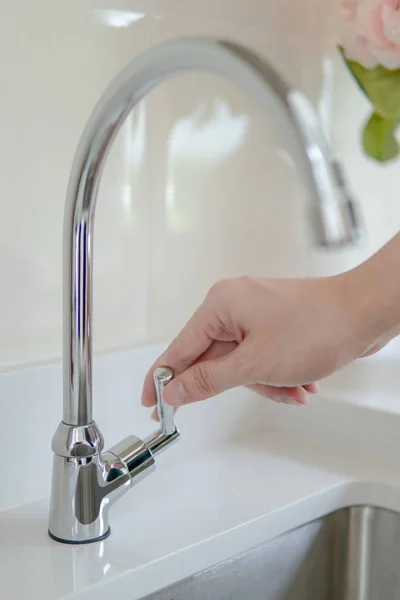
column 371, row 295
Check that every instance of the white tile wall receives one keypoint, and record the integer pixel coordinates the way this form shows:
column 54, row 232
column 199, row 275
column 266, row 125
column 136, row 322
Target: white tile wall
column 199, row 185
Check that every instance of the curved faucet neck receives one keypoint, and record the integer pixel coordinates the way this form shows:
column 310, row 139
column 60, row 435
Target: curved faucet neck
column 140, row 76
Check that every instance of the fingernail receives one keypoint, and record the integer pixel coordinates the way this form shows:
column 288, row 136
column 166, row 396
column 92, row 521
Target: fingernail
column 290, row 400
column 175, row 393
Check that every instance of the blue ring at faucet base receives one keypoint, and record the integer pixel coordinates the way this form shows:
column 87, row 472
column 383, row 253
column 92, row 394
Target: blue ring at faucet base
column 79, row 542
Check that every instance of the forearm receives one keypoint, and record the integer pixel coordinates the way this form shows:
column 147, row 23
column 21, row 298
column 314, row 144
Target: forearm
column 374, row 290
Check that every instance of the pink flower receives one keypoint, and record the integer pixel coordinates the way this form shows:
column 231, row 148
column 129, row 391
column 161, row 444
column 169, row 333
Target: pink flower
column 371, row 32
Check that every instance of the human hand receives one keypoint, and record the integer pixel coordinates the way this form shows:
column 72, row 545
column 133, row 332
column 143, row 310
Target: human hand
column 276, row 337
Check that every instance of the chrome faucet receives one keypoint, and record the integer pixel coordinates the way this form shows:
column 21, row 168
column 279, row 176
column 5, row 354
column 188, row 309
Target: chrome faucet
column 87, row 480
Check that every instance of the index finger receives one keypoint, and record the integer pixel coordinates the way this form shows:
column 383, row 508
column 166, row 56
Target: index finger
column 182, row 352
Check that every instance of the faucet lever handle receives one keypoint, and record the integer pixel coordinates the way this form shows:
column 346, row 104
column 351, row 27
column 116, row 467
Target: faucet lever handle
column 162, row 376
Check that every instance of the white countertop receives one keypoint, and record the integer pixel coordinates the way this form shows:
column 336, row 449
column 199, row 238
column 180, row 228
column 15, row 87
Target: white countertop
column 245, row 471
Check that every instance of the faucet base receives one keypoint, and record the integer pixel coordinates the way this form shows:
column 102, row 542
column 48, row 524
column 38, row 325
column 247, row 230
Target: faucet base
column 80, row 542
column 83, row 489
column 87, row 481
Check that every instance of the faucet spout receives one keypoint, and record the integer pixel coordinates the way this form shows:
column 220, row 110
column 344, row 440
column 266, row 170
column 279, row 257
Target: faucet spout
column 333, row 216
column 330, row 203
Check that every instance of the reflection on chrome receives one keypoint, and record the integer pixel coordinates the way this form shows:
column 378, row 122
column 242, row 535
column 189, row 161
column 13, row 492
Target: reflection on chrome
column 119, row 18
column 211, row 134
column 134, row 155
column 199, row 142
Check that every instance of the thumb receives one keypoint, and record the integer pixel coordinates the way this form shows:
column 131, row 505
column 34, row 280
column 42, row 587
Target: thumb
column 207, row 378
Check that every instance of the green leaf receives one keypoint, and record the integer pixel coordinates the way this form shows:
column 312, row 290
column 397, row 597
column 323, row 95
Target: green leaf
column 380, row 85
column 379, row 140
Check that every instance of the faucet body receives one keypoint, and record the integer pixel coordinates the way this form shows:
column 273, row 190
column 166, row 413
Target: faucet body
column 87, row 480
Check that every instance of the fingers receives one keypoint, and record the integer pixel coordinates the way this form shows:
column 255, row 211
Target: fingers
column 190, row 343
column 216, row 349
column 311, row 388
column 286, row 395
column 207, row 378
column 221, row 366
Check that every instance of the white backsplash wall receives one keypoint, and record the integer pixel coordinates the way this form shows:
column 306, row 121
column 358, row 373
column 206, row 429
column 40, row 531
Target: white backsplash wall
column 199, row 184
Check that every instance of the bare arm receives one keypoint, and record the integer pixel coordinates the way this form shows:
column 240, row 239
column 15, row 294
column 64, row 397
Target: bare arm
column 279, row 336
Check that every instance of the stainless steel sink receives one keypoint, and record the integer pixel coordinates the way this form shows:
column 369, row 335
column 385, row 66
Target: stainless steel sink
column 352, row 554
